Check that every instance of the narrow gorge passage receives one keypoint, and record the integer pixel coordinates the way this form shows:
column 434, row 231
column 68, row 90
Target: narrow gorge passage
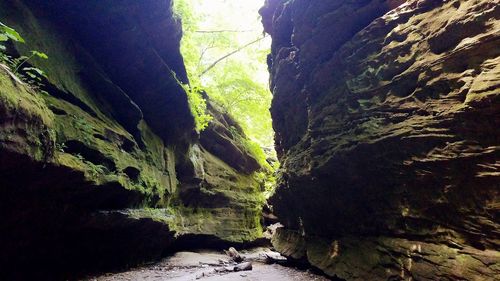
column 206, row 265
column 321, row 139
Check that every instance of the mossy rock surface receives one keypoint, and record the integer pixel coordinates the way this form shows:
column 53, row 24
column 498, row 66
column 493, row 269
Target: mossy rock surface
column 220, row 201
column 27, row 125
column 103, row 156
column 387, row 133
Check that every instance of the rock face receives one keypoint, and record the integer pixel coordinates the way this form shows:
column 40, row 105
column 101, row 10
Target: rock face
column 101, row 166
column 386, row 116
column 221, row 193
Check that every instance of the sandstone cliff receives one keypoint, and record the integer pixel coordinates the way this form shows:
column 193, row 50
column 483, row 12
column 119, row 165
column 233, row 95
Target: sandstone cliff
column 100, row 167
column 386, row 116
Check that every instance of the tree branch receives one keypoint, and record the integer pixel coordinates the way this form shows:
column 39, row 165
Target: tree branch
column 230, row 54
column 211, row 46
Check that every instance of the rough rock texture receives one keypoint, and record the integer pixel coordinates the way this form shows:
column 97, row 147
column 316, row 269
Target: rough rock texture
column 221, row 139
column 221, row 195
column 101, row 167
column 386, row 116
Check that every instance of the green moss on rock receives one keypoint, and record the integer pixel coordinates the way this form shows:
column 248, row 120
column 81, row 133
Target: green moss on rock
column 26, row 126
column 83, row 163
column 223, row 202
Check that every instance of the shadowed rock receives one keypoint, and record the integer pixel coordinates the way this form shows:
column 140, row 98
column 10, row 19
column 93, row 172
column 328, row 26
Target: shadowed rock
column 386, row 120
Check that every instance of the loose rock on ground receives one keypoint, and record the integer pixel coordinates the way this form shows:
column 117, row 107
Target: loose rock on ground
column 211, row 266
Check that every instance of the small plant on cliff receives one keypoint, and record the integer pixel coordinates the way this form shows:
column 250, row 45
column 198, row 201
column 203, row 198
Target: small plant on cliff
column 7, row 33
column 198, row 106
column 24, row 59
column 31, row 75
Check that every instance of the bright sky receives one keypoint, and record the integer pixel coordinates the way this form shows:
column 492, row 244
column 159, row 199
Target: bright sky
column 238, row 15
column 237, row 78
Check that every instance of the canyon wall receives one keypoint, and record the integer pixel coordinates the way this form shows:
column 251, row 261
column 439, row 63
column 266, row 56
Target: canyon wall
column 387, row 117
column 100, row 165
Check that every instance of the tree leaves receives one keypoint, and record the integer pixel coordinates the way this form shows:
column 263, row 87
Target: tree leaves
column 225, row 54
column 198, row 107
column 230, row 54
column 9, row 33
column 39, row 54
column 31, row 75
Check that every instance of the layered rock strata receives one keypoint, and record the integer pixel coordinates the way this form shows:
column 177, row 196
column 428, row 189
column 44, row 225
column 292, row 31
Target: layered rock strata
column 386, row 116
column 100, row 166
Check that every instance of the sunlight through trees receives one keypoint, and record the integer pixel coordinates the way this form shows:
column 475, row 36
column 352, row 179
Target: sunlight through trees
column 225, row 50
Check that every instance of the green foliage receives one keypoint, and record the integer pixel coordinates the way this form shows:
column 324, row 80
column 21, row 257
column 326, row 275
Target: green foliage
column 267, row 180
column 24, row 59
column 214, row 46
column 252, row 148
column 197, row 103
column 31, row 75
column 247, row 100
column 39, row 54
column 95, row 171
column 61, row 147
column 198, row 106
column 7, row 33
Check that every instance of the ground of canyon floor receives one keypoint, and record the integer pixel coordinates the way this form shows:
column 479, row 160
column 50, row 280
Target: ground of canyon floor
column 208, row 265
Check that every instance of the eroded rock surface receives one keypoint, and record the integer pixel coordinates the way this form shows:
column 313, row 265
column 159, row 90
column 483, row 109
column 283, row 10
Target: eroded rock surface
column 101, row 167
column 386, row 116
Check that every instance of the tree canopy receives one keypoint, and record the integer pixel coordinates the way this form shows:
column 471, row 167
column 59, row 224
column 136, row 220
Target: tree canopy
column 225, row 51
